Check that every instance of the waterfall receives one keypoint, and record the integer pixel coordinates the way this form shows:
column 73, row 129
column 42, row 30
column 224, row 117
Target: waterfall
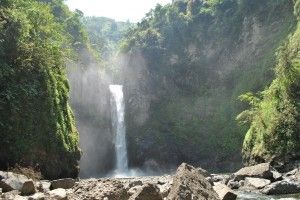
column 118, row 125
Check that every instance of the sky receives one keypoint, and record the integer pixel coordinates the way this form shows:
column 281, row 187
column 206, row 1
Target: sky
column 120, row 10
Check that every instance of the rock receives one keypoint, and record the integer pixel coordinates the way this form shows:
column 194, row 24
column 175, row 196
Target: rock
column 65, row 183
column 188, row 183
column 135, row 183
column 263, row 170
column 297, row 175
column 37, row 196
column 257, row 183
column 203, row 172
column 165, row 189
column 99, row 189
column 43, row 186
column 147, row 192
column 222, row 178
column 282, row 187
column 233, row 184
column 291, row 173
column 58, row 194
column 224, row 192
column 133, row 190
column 276, row 175
column 28, row 188
column 10, row 181
column 11, row 195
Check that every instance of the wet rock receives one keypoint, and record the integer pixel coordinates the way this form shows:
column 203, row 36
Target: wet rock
column 147, row 192
column 224, row 192
column 263, row 170
column 37, row 196
column 188, row 183
column 282, row 187
column 28, row 188
column 257, row 183
column 58, row 194
column 65, row 183
column 10, row 181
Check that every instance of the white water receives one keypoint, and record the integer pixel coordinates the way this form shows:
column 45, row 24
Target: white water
column 118, row 125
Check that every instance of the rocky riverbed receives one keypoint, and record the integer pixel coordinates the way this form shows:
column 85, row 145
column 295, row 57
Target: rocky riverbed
column 260, row 182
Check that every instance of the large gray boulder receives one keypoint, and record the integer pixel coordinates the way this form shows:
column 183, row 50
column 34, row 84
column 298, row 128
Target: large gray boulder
column 147, row 192
column 282, row 187
column 189, row 183
column 257, row 183
column 224, row 192
column 263, row 170
column 65, row 183
column 10, row 181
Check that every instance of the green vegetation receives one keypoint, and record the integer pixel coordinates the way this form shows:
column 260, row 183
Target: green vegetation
column 274, row 114
column 36, row 123
column 199, row 57
column 105, row 35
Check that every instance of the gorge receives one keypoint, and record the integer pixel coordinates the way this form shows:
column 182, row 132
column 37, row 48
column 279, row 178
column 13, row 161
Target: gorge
column 211, row 83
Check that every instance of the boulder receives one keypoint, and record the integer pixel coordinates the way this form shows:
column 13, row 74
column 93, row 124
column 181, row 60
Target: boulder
column 224, row 192
column 135, row 183
column 222, row 178
column 263, row 170
column 37, row 196
column 233, row 184
column 297, row 175
column 282, row 187
column 257, row 183
column 10, row 181
column 58, row 194
column 164, row 189
column 203, row 172
column 291, row 173
column 11, row 195
column 276, row 175
column 189, row 183
column 65, row 183
column 28, row 188
column 147, row 192
column 43, row 186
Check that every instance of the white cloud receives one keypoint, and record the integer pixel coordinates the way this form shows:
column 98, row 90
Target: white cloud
column 120, row 10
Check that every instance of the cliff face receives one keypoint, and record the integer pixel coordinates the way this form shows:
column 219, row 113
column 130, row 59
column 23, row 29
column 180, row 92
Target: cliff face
column 186, row 65
column 36, row 123
column 274, row 119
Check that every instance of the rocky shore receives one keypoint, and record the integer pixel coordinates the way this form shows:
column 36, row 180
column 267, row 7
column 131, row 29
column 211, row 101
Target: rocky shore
column 188, row 183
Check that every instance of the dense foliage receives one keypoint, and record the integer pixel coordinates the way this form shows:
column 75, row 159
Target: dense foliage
column 37, row 126
column 105, row 34
column 188, row 63
column 274, row 114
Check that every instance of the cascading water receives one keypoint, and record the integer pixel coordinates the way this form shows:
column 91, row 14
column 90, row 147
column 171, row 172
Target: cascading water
column 118, row 125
